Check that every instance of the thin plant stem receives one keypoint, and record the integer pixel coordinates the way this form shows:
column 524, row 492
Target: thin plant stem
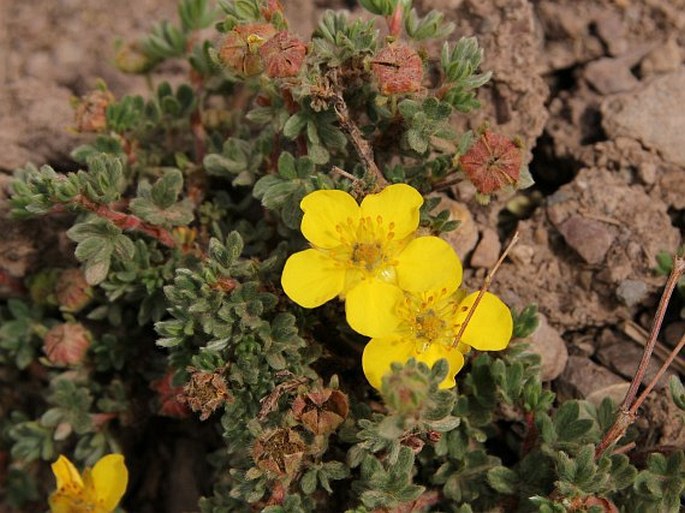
column 628, row 412
column 664, row 367
column 484, row 288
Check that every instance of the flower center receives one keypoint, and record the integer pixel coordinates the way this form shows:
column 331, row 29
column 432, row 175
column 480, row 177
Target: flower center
column 367, row 255
column 429, row 326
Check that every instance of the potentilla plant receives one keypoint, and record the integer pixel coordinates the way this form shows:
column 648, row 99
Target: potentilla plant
column 258, row 265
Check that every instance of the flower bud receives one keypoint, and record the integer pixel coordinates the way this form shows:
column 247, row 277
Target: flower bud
column 492, row 162
column 398, row 69
column 321, row 411
column 269, row 8
column 130, row 58
column 67, row 343
column 279, row 452
column 205, row 392
column 239, row 50
column 72, row 291
column 283, row 55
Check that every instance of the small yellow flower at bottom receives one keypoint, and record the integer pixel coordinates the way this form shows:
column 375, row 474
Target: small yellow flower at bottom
column 97, row 490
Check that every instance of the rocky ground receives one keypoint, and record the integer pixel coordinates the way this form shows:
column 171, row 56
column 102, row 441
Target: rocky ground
column 594, row 90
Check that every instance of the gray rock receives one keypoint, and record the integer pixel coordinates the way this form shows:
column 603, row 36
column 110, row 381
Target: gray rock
column 653, row 115
column 487, row 251
column 464, row 238
column 632, row 292
column 584, row 379
column 610, row 76
column 547, row 342
column 590, row 238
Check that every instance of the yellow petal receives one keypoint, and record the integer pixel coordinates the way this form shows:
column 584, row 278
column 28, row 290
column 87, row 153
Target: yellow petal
column 66, row 473
column 428, row 263
column 398, row 204
column 371, row 308
column 310, row 278
column 380, row 353
column 61, row 503
column 454, row 358
column 491, row 325
column 110, row 478
column 323, row 212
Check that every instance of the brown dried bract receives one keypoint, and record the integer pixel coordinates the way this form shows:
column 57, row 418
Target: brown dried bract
column 91, row 111
column 321, row 411
column 398, row 69
column 170, row 397
column 283, row 55
column 493, row 162
column 67, row 343
column 279, row 452
column 205, row 392
column 240, row 48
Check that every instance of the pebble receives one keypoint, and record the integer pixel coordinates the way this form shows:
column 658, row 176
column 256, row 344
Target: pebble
column 590, row 238
column 652, row 114
column 487, row 251
column 464, row 238
column 632, row 292
column 665, row 58
column 547, row 342
column 610, row 76
column 585, row 379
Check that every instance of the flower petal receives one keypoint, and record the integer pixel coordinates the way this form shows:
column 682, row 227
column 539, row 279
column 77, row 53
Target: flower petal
column 380, row 353
column 323, row 212
column 491, row 326
column 66, row 473
column 454, row 358
column 398, row 204
column 371, row 307
column 310, row 278
column 428, row 263
column 110, row 478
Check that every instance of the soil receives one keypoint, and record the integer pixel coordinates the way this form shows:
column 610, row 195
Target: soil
column 595, row 93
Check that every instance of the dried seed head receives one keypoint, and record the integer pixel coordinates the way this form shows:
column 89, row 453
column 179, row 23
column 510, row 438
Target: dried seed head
column 279, row 452
column 91, row 111
column 240, row 48
column 321, row 411
column 171, row 402
column 67, row 343
column 283, row 55
column 492, row 163
column 205, row 392
column 72, row 290
column 398, row 69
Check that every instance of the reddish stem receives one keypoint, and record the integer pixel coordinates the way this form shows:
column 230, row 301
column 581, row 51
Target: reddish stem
column 13, row 283
column 531, row 433
column 126, row 221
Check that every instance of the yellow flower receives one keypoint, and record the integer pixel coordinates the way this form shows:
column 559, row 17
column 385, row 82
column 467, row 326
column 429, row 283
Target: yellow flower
column 98, row 490
column 363, row 252
column 426, row 327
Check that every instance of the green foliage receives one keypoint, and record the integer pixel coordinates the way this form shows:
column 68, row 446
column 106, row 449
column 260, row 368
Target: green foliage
column 459, row 65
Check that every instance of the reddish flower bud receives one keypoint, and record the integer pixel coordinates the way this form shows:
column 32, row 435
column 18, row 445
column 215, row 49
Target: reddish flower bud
column 279, row 452
column 240, row 48
column 492, row 162
column 67, row 343
column 269, row 8
column 321, row 411
column 205, row 392
column 283, row 55
column 91, row 111
column 72, row 290
column 171, row 403
column 398, row 69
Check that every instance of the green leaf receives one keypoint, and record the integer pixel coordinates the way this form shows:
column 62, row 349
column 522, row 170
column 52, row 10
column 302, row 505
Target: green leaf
column 503, row 480
column 295, row 124
column 165, row 191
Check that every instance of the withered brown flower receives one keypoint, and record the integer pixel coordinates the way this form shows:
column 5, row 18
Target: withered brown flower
column 321, row 411
column 91, row 111
column 279, row 452
column 72, row 291
column 283, row 55
column 398, row 69
column 205, row 392
column 492, row 162
column 239, row 50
